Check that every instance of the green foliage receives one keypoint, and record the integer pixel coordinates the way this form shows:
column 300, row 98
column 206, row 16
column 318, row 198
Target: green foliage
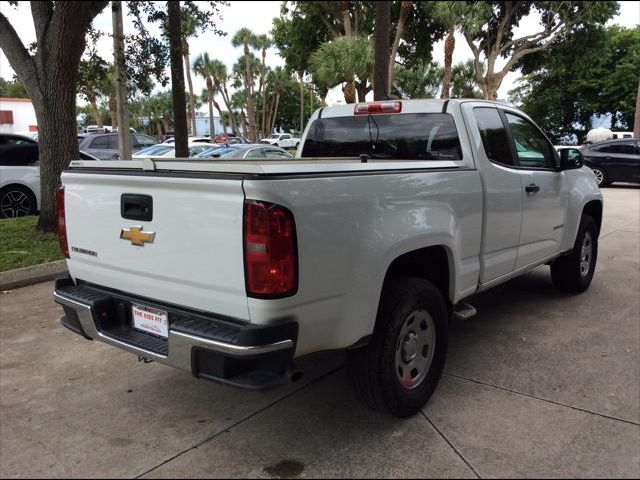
column 288, row 118
column 341, row 60
column 464, row 81
column 419, row 81
column 12, row 88
column 591, row 72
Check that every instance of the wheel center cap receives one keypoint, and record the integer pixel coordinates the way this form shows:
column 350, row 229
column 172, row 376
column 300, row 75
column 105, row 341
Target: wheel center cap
column 410, row 347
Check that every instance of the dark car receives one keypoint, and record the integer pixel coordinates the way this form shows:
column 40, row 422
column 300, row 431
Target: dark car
column 614, row 161
column 105, row 145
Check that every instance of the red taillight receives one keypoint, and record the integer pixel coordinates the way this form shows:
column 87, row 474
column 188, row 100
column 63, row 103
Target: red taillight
column 62, row 225
column 270, row 250
column 375, row 108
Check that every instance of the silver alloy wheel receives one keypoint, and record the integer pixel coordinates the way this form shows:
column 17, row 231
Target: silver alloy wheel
column 415, row 348
column 15, row 203
column 586, row 254
column 599, row 175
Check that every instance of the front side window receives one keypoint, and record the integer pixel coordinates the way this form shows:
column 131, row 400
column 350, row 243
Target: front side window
column 532, row 148
column 405, row 136
column 494, row 135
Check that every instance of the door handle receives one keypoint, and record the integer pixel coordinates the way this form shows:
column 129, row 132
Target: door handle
column 532, row 188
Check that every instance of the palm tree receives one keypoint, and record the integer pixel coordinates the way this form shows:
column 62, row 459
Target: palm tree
column 341, row 61
column 203, row 67
column 220, row 78
column 263, row 42
column 245, row 38
column 189, row 27
column 277, row 78
column 448, row 13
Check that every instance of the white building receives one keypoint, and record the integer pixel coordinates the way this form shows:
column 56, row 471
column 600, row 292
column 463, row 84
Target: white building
column 17, row 116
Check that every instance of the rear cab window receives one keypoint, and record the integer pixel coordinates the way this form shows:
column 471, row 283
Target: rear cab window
column 403, row 136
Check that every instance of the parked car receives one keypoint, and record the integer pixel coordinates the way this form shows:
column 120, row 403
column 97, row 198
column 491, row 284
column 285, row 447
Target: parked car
column 225, row 139
column 105, row 145
column 397, row 212
column 253, row 152
column 20, row 179
column 613, row 161
column 168, row 150
column 284, row 140
column 153, row 151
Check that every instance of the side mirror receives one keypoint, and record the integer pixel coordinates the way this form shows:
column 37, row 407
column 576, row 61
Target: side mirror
column 570, row 159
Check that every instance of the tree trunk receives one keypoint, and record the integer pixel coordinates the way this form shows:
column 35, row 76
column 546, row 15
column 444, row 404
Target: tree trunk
column 361, row 89
column 275, row 112
column 224, row 124
column 346, row 18
column 349, row 91
column 381, row 47
column 263, row 90
column 187, row 65
column 244, row 122
column 449, row 46
column 177, row 79
column 636, row 118
column 225, row 98
column 58, row 144
column 91, row 96
column 212, row 125
column 113, row 110
column 248, row 80
column 405, row 8
column 301, row 74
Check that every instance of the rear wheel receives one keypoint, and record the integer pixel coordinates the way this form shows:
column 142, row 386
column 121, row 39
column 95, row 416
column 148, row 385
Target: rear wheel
column 601, row 176
column 398, row 371
column 16, row 201
column 573, row 273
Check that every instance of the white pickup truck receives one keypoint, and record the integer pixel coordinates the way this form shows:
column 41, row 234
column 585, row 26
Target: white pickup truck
column 393, row 214
column 283, row 140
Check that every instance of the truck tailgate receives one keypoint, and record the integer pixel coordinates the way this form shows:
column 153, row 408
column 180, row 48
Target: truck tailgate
column 196, row 257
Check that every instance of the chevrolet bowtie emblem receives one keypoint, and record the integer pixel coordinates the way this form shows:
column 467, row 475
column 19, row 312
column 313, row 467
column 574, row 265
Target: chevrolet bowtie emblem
column 137, row 236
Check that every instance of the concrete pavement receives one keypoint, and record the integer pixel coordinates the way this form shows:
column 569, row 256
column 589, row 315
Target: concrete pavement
column 538, row 384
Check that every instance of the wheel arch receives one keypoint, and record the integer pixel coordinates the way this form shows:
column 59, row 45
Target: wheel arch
column 433, row 263
column 594, row 210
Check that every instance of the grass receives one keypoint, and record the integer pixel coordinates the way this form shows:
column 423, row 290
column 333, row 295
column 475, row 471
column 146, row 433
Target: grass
column 21, row 244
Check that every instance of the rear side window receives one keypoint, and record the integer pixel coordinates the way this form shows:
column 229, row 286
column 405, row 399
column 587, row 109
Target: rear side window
column 19, row 155
column 620, row 148
column 407, row 136
column 494, row 136
column 101, row 142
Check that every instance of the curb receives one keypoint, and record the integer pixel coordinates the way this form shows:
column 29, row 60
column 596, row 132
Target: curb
column 21, row 277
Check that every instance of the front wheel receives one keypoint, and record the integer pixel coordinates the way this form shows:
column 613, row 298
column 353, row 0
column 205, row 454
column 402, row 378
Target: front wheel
column 573, row 273
column 398, row 371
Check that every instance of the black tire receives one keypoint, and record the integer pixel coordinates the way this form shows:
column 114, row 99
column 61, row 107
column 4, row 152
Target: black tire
column 372, row 368
column 275, row 144
column 568, row 273
column 17, row 201
column 602, row 179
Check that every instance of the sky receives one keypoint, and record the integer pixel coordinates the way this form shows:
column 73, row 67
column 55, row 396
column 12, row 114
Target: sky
column 257, row 16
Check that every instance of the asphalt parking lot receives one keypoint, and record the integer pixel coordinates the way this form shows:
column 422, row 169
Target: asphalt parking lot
column 536, row 385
